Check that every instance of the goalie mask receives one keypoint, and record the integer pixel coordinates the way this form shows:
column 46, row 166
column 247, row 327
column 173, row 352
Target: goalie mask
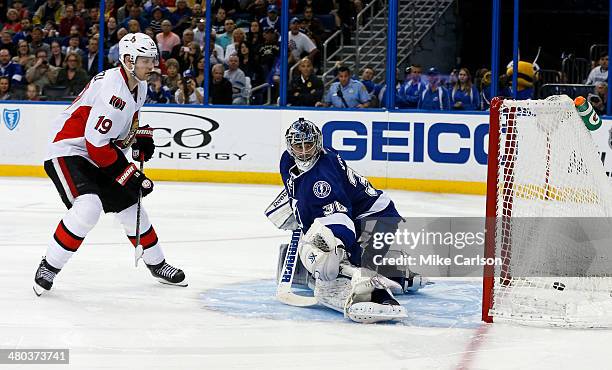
column 304, row 143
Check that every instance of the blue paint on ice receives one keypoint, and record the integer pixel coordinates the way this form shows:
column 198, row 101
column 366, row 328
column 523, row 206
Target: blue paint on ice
column 444, row 304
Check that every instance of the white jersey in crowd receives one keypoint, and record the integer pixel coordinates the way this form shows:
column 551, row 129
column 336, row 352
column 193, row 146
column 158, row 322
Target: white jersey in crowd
column 105, row 112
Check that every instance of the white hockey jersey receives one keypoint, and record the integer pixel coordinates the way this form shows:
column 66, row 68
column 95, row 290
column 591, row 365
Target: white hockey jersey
column 105, row 112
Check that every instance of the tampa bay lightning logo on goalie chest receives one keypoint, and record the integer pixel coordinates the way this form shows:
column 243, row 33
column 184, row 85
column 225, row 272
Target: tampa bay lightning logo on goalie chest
column 321, row 189
column 11, row 118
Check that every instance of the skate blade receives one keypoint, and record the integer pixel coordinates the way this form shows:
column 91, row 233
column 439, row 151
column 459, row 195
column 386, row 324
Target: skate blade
column 181, row 284
column 38, row 290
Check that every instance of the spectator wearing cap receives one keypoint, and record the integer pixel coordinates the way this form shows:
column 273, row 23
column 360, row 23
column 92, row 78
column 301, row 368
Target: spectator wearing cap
column 188, row 92
column 37, row 41
column 157, row 93
column 367, row 79
column 412, row 88
column 306, row 89
column 435, row 96
column 237, row 78
column 269, row 52
column 166, row 39
column 464, row 95
column 71, row 19
column 10, row 69
column 346, row 92
column 226, row 37
column 599, row 73
column 220, row 88
column 299, row 43
column 51, row 10
column 72, row 75
column 271, row 20
column 199, row 32
column 12, row 24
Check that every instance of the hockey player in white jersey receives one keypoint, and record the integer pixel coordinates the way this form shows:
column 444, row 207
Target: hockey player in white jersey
column 87, row 163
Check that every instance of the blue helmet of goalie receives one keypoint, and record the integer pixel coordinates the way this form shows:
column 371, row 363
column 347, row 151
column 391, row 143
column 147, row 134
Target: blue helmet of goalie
column 304, row 143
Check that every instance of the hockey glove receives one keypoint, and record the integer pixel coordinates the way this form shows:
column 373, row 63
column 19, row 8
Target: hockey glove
column 128, row 175
column 143, row 147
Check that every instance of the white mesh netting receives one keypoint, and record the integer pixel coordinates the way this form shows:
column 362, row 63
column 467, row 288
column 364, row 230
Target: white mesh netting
column 552, row 227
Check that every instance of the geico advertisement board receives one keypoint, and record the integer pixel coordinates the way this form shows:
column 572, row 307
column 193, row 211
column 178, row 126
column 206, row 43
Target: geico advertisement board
column 406, row 145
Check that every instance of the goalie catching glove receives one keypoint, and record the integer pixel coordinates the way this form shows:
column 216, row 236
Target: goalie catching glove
column 144, row 147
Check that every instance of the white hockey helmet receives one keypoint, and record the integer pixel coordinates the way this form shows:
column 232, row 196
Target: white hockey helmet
column 136, row 45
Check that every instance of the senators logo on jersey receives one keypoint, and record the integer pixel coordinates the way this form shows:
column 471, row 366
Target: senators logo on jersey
column 117, row 102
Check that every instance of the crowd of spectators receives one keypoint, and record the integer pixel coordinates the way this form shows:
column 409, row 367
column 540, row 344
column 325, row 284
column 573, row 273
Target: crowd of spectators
column 49, row 50
column 53, row 44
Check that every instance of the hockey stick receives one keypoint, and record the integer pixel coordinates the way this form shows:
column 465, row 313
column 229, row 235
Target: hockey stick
column 138, row 252
column 283, row 290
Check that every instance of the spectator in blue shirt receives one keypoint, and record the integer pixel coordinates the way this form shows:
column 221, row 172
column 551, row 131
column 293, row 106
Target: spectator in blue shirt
column 434, row 97
column 136, row 14
column 346, row 93
column 464, row 95
column 412, row 88
column 9, row 68
column 372, row 87
column 272, row 20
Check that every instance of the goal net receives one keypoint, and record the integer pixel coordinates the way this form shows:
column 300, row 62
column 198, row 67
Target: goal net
column 549, row 204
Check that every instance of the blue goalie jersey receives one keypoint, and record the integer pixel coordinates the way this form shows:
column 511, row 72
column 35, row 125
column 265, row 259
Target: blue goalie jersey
column 334, row 194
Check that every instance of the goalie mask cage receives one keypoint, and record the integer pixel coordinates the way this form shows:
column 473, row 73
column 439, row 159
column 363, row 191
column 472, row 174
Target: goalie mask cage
column 545, row 186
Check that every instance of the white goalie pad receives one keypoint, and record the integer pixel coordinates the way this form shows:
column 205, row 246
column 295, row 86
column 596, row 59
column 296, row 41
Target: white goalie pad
column 279, row 212
column 352, row 297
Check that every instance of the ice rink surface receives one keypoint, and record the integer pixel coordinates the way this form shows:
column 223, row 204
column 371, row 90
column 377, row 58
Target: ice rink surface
column 113, row 316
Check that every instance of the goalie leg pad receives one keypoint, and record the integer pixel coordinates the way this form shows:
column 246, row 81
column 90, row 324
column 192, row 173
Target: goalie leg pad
column 363, row 299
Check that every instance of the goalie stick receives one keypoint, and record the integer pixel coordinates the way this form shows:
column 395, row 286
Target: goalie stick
column 283, row 290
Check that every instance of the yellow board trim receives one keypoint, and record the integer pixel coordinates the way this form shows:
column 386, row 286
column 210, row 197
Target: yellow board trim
column 435, row 186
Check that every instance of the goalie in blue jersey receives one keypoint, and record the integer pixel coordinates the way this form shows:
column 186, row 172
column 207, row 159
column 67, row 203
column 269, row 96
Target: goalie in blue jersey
column 329, row 201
